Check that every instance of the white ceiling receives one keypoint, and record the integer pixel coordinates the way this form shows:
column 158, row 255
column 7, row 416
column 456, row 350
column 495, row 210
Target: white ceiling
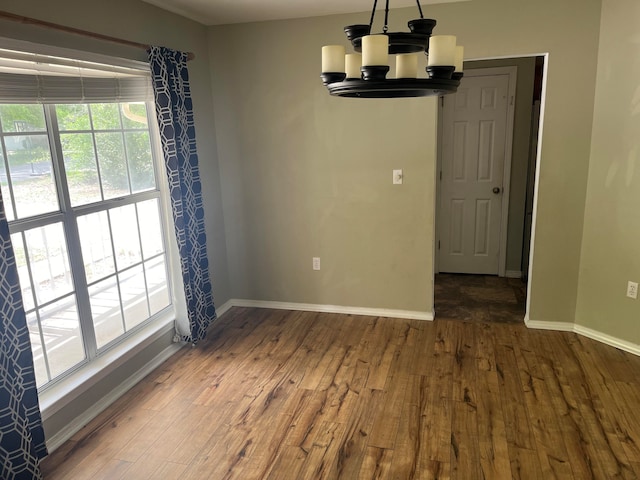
column 220, row 12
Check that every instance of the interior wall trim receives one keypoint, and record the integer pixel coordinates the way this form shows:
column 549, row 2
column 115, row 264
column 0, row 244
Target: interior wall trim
column 585, row 332
column 311, row 307
column 224, row 308
column 608, row 339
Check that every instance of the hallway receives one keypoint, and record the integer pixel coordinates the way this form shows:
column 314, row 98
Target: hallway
column 484, row 298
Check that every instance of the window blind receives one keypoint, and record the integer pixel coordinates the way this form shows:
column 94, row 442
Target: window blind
column 34, row 78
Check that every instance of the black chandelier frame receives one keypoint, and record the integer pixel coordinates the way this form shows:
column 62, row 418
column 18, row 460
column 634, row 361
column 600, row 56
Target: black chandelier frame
column 442, row 80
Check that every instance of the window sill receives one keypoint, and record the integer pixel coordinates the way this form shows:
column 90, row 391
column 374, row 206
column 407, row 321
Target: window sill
column 54, row 398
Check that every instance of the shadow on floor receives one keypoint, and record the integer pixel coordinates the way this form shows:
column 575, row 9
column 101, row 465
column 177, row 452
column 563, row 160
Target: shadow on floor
column 484, row 298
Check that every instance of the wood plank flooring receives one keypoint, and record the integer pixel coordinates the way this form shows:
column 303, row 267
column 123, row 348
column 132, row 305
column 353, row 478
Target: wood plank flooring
column 274, row 394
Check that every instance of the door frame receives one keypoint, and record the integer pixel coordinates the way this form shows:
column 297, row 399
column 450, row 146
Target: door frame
column 512, row 72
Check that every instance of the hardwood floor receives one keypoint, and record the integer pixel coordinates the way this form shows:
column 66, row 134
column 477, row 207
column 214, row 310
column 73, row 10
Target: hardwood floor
column 274, row 394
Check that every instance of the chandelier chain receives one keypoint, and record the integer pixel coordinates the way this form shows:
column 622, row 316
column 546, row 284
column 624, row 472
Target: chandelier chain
column 385, row 27
column 373, row 14
column 386, row 18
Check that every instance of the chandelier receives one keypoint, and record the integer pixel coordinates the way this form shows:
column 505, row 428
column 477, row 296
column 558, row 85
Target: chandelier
column 363, row 74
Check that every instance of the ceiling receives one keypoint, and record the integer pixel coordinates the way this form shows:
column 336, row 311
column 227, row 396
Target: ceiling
column 220, row 12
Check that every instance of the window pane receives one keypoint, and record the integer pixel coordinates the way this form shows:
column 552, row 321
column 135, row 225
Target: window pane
column 150, row 228
column 49, row 262
column 125, row 236
column 105, row 307
column 80, row 165
column 73, row 117
column 105, row 116
column 140, row 162
column 134, row 296
column 113, row 164
column 104, row 152
column 22, row 118
column 4, row 188
column 34, row 187
column 36, row 349
column 134, row 115
column 62, row 336
column 23, row 272
column 157, row 284
column 95, row 239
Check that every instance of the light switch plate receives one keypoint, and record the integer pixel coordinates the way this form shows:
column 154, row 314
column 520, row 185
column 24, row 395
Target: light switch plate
column 397, row 177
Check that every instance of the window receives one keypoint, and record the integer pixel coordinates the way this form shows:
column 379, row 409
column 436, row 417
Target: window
column 81, row 195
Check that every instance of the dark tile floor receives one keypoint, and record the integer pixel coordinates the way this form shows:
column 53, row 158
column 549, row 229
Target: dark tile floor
column 485, row 298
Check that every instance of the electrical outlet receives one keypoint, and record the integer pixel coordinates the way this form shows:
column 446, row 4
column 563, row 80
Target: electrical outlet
column 316, row 263
column 632, row 289
column 397, row 177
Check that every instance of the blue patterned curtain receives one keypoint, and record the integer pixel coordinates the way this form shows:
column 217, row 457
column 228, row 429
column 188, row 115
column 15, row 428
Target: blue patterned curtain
column 175, row 119
column 22, row 442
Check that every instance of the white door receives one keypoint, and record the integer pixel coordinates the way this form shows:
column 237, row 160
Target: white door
column 476, row 129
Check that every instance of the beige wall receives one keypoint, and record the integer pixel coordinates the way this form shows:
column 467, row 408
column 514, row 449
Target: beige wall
column 308, row 175
column 611, row 241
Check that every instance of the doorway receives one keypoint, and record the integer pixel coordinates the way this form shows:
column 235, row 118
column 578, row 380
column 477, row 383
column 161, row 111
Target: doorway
column 474, row 178
column 462, row 279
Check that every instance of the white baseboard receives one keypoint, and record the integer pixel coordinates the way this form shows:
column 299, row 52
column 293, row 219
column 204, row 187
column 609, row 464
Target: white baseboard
column 224, row 308
column 311, row 307
column 513, row 274
column 608, row 339
column 85, row 417
column 585, row 332
column 541, row 325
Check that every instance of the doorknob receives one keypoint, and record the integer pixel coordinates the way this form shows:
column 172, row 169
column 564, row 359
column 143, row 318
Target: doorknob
column 496, row 190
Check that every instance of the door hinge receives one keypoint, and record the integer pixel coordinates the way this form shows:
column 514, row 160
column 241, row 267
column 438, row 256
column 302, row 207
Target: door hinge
column 438, row 244
column 511, row 101
column 440, row 174
column 442, row 102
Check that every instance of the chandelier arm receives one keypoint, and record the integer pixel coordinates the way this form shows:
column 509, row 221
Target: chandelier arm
column 373, row 14
column 420, row 8
column 386, row 18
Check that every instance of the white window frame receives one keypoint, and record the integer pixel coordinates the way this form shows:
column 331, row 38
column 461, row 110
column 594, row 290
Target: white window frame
column 98, row 363
column 67, row 216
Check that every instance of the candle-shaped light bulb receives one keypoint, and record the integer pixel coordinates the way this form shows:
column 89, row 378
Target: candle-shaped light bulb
column 459, row 58
column 353, row 63
column 375, row 50
column 407, row 65
column 333, row 58
column 442, row 50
